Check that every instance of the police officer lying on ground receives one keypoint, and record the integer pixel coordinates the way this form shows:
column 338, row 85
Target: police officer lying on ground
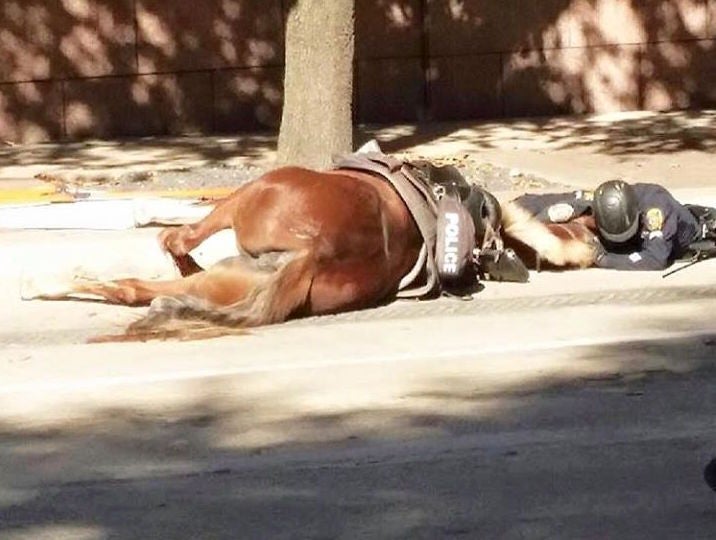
column 641, row 226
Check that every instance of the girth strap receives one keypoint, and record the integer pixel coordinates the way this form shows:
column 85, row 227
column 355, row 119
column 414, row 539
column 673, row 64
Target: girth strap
column 422, row 206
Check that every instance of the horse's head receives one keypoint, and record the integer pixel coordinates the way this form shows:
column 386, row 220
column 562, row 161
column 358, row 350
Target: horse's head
column 494, row 260
column 486, row 213
column 469, row 227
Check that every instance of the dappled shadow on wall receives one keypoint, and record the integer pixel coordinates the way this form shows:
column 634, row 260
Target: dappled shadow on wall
column 120, row 68
column 112, row 68
column 515, row 58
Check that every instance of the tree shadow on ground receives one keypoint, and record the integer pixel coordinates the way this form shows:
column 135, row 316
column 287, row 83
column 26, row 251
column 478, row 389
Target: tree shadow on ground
column 636, row 134
column 144, row 153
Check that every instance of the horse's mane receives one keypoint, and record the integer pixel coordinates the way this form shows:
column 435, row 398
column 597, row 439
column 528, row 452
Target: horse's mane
column 560, row 244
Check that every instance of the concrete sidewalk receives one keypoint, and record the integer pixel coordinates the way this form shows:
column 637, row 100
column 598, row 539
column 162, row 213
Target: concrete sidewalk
column 675, row 149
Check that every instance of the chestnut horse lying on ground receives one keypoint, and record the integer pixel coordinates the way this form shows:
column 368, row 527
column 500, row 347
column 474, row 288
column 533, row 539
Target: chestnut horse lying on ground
column 308, row 242
column 312, row 243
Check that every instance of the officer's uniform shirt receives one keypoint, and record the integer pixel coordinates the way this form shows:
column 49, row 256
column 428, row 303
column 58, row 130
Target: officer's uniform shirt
column 666, row 227
column 665, row 231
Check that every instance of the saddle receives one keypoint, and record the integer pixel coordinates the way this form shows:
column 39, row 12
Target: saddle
column 480, row 214
column 451, row 216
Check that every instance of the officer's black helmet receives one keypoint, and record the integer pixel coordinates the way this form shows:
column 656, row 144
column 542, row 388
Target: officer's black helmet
column 616, row 211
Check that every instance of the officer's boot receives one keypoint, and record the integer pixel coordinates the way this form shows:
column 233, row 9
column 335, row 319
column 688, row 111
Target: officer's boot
column 709, row 224
column 707, row 220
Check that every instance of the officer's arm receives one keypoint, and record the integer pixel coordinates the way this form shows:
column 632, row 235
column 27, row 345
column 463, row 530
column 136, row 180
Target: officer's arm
column 563, row 211
column 661, row 228
column 654, row 256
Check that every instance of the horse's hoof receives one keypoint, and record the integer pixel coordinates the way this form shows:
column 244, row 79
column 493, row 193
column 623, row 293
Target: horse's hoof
column 177, row 241
column 34, row 287
column 28, row 288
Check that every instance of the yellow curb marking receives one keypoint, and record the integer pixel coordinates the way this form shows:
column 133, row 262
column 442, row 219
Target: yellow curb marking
column 50, row 195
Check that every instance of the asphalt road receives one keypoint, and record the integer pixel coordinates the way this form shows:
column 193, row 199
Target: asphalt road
column 578, row 406
column 616, row 456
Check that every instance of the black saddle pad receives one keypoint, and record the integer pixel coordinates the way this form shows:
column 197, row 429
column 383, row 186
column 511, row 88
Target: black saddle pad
column 447, row 176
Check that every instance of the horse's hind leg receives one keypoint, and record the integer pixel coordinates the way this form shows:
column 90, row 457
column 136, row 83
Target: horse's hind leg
column 180, row 241
column 220, row 285
column 122, row 291
column 232, row 295
column 132, row 292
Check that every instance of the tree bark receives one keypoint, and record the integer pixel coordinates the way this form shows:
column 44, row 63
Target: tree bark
column 318, row 89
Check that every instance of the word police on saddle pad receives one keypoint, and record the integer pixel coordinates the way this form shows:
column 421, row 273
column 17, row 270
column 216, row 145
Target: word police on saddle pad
column 455, row 238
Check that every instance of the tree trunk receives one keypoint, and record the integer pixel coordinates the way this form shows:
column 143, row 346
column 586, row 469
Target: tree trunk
column 317, row 121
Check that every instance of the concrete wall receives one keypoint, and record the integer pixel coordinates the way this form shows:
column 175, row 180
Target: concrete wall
column 72, row 69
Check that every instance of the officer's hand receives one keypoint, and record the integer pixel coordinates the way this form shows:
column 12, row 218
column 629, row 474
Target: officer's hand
column 599, row 251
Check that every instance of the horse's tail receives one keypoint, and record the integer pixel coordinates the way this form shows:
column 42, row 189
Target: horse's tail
column 186, row 318
column 548, row 243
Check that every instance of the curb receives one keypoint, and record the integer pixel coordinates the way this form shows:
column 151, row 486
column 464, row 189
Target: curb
column 407, row 309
